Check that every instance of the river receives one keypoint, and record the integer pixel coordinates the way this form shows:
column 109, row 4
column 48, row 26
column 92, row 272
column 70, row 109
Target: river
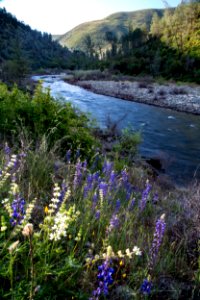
column 173, row 137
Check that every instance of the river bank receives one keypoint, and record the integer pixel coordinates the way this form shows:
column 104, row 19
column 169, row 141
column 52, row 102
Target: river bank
column 184, row 98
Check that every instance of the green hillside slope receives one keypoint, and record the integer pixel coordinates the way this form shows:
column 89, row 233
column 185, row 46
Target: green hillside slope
column 118, row 24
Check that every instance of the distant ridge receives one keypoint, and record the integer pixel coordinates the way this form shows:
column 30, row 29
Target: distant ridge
column 117, row 23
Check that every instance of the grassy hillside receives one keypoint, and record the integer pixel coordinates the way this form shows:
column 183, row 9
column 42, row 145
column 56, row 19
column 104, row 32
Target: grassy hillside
column 117, row 23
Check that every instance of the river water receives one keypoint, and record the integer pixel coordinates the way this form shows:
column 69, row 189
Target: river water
column 173, row 137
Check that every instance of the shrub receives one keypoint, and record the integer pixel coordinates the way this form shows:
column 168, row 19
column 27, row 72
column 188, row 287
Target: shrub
column 128, row 143
column 178, row 91
column 142, row 85
column 41, row 115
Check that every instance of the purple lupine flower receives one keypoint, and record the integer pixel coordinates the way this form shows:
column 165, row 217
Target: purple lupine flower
column 7, row 149
column 145, row 195
column 95, row 198
column 85, row 165
column 78, row 174
column 104, row 187
column 22, row 154
column 18, row 211
column 112, row 178
column 104, row 280
column 62, row 192
column 117, row 206
column 97, row 214
column 96, row 176
column 146, row 287
column 157, row 240
column 94, row 201
column 124, row 175
column 128, row 195
column 56, row 167
column 88, row 186
column 68, row 156
column 85, row 191
column 107, row 168
column 89, row 180
column 155, row 198
column 114, row 223
column 131, row 204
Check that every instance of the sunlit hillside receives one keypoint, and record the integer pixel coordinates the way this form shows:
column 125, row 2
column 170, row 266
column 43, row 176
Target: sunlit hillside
column 118, row 23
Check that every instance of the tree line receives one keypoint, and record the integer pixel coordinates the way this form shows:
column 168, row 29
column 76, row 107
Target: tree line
column 23, row 50
column 171, row 48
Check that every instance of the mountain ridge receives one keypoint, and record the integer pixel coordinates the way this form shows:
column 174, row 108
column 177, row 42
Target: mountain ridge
column 118, row 23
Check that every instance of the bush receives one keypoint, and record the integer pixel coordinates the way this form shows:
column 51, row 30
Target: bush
column 128, row 143
column 41, row 115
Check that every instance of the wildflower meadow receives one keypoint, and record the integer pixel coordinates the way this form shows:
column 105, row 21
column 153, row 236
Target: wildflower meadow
column 96, row 236
column 82, row 224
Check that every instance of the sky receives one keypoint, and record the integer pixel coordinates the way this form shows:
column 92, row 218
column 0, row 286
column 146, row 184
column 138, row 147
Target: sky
column 60, row 16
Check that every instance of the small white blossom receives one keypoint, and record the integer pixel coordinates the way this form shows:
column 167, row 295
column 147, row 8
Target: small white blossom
column 128, row 253
column 13, row 246
column 28, row 229
column 120, row 254
column 137, row 251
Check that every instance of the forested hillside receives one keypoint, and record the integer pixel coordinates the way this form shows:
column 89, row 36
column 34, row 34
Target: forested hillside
column 156, row 42
column 118, row 24
column 23, row 50
column 162, row 43
column 170, row 48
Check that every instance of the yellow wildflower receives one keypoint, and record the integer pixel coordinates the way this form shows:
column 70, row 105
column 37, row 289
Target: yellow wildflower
column 121, row 263
column 46, row 209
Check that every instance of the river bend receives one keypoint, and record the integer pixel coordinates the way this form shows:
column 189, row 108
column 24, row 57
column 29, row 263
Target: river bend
column 172, row 136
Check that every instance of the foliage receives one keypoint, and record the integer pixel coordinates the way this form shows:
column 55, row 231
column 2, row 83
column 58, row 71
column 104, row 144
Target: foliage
column 128, row 143
column 40, row 115
column 94, row 233
column 156, row 42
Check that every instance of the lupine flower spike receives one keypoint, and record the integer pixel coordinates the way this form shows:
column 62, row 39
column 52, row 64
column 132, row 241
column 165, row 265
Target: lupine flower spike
column 157, row 240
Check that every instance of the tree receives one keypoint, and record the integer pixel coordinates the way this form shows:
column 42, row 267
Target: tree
column 89, row 45
column 112, row 39
column 156, row 28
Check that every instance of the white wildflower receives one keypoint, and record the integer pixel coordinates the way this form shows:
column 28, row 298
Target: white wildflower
column 120, row 254
column 13, row 246
column 28, row 229
column 137, row 251
column 128, row 253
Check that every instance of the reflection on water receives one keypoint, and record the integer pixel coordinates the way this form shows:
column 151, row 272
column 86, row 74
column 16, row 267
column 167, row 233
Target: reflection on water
column 172, row 136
